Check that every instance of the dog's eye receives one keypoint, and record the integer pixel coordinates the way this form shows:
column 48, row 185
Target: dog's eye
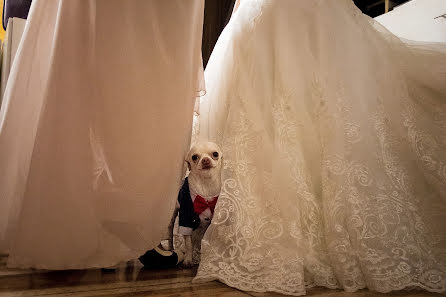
column 194, row 157
column 215, row 154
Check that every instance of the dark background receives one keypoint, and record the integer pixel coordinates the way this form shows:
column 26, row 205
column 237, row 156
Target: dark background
column 375, row 8
column 218, row 12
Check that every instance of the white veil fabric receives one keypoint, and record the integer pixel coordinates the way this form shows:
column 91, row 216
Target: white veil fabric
column 333, row 133
column 94, row 127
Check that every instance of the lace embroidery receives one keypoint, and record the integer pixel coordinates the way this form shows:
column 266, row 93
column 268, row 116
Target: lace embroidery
column 327, row 181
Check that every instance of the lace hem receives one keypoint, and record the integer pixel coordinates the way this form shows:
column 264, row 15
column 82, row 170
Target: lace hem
column 264, row 288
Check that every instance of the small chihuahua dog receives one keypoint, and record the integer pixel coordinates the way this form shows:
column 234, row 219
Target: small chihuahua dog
column 198, row 197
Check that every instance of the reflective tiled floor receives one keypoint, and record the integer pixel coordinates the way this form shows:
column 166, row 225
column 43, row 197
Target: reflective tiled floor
column 130, row 280
column 127, row 280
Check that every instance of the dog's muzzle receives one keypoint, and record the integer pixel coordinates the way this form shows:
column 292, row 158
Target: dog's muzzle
column 206, row 163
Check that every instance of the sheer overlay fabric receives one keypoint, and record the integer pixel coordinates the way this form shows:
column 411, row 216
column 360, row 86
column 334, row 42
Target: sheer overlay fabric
column 334, row 146
column 94, row 128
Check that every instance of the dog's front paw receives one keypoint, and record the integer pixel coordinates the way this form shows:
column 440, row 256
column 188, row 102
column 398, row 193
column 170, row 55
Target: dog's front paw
column 187, row 263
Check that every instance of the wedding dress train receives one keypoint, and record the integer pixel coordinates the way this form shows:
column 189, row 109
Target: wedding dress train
column 334, row 145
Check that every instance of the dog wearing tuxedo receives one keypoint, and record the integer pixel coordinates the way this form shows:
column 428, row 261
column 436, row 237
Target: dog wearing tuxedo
column 198, row 197
column 195, row 207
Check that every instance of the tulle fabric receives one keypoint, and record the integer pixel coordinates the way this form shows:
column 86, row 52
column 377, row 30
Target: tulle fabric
column 94, row 129
column 334, row 145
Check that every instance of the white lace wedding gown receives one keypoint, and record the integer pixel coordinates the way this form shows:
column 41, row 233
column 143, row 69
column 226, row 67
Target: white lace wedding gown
column 94, row 127
column 334, row 146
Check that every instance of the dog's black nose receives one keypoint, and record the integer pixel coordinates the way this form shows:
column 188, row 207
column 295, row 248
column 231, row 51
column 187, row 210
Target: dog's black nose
column 206, row 162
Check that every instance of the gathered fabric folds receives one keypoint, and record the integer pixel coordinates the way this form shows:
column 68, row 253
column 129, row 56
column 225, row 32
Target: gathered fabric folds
column 94, row 128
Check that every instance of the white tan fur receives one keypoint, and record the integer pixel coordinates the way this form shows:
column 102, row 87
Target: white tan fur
column 204, row 161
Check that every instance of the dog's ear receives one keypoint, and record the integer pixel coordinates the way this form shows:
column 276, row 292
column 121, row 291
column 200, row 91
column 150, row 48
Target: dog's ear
column 188, row 165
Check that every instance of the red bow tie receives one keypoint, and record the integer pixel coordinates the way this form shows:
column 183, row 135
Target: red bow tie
column 201, row 204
